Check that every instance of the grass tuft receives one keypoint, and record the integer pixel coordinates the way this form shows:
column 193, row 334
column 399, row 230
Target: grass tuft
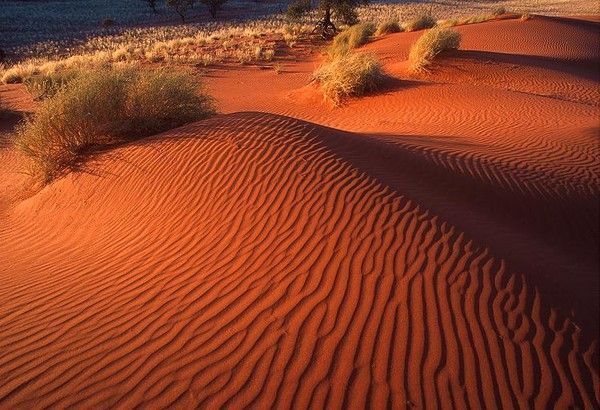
column 350, row 75
column 353, row 37
column 388, row 27
column 422, row 22
column 103, row 107
column 430, row 45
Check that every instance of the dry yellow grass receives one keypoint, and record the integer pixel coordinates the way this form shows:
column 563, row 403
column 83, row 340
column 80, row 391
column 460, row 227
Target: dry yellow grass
column 352, row 37
column 422, row 22
column 349, row 75
column 388, row 26
column 102, row 107
column 430, row 45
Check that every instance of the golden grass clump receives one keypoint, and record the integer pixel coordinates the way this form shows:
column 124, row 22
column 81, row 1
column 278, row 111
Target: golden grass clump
column 388, row 26
column 422, row 22
column 349, row 75
column 430, row 45
column 353, row 37
column 103, row 107
column 42, row 86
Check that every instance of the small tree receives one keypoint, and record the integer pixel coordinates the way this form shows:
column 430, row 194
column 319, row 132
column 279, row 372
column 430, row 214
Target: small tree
column 214, row 6
column 152, row 5
column 180, row 7
column 343, row 10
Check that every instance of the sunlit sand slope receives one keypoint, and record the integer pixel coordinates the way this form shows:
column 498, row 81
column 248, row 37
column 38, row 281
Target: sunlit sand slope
column 258, row 260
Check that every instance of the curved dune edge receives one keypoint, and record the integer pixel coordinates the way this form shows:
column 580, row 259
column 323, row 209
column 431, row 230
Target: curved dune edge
column 244, row 260
column 446, row 254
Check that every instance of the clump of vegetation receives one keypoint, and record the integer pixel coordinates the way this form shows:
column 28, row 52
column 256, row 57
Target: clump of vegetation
column 230, row 44
column 343, row 10
column 430, row 45
column 104, row 107
column 353, row 37
column 388, row 26
column 422, row 22
column 42, row 86
column 349, row 75
column 499, row 11
column 525, row 16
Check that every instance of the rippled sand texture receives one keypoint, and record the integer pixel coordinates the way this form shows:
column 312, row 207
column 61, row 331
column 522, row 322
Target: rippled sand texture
column 431, row 245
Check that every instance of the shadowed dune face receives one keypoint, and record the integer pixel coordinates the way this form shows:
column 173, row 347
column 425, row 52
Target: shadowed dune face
column 433, row 243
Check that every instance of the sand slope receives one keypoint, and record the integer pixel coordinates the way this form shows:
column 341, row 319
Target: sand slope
column 432, row 244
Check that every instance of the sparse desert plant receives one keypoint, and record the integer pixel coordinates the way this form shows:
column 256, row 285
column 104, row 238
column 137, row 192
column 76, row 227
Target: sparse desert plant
column 353, row 37
column 43, row 86
column 18, row 73
column 430, row 45
column 388, row 26
column 422, row 22
column 349, row 75
column 343, row 10
column 103, row 107
column 525, row 16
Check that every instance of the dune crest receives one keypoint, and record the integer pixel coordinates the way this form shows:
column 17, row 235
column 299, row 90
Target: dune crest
column 258, row 266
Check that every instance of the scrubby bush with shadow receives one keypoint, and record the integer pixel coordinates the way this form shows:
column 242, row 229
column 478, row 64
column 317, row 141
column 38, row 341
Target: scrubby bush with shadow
column 353, row 37
column 43, row 86
column 422, row 22
column 388, row 27
column 350, row 75
column 430, row 45
column 103, row 107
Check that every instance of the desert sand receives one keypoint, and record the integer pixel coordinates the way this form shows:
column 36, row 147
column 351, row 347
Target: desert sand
column 431, row 245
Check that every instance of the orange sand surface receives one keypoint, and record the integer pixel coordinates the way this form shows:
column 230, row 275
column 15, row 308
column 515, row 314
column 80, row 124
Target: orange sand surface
column 435, row 243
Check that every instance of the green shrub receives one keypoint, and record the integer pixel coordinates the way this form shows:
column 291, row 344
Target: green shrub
column 422, row 22
column 430, row 45
column 353, row 37
column 104, row 107
column 349, row 75
column 388, row 27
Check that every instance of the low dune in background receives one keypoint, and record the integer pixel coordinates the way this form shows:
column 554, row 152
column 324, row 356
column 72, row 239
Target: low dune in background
column 434, row 243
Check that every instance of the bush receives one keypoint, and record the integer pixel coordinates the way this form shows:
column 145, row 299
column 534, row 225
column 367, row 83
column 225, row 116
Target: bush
column 430, row 45
column 422, row 22
column 353, row 37
column 388, row 27
column 350, row 75
column 104, row 107
column 42, row 86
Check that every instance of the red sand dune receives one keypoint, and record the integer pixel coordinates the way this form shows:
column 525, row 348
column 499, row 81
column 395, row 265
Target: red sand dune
column 437, row 245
